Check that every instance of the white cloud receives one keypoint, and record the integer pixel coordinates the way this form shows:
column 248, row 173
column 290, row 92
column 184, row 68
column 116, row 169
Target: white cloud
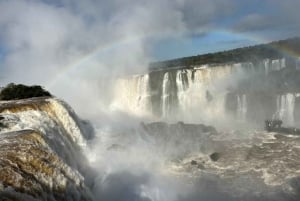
column 254, row 22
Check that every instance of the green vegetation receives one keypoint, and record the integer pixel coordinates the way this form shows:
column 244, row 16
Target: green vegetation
column 19, row 91
column 246, row 54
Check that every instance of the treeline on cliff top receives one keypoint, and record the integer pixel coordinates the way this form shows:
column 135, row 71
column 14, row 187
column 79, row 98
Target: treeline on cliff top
column 273, row 50
column 19, row 91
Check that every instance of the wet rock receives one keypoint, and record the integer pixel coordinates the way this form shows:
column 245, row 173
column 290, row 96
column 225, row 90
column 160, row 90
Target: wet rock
column 193, row 162
column 2, row 125
column 116, row 147
column 215, row 156
column 201, row 166
column 89, row 130
column 180, row 127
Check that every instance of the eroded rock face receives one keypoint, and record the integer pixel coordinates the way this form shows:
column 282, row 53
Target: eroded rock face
column 40, row 152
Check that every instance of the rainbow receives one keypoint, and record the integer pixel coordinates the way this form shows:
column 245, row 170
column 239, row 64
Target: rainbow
column 88, row 56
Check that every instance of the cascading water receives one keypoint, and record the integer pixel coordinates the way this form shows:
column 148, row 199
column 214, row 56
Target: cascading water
column 242, row 107
column 166, row 97
column 41, row 144
column 198, row 93
column 285, row 108
column 182, row 83
column 133, row 95
column 194, row 89
column 143, row 101
column 274, row 65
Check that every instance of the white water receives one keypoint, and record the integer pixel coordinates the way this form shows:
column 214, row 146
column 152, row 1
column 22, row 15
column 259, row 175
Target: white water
column 157, row 167
column 274, row 65
column 201, row 92
column 133, row 95
column 182, row 86
column 191, row 93
column 166, row 97
column 285, row 108
column 67, row 117
column 61, row 136
column 56, row 113
column 242, row 107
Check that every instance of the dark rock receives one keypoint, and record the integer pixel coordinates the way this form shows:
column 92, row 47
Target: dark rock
column 215, row 156
column 193, row 162
column 116, row 147
column 89, row 131
column 209, row 96
column 275, row 126
column 2, row 125
column 231, row 102
column 201, row 166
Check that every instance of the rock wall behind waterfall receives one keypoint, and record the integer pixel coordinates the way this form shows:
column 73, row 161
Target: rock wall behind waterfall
column 41, row 140
column 241, row 91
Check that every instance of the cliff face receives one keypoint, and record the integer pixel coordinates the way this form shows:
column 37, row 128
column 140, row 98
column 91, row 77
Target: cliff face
column 242, row 91
column 40, row 151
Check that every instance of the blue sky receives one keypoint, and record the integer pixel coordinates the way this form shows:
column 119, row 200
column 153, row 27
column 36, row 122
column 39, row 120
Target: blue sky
column 2, row 53
column 43, row 35
column 212, row 42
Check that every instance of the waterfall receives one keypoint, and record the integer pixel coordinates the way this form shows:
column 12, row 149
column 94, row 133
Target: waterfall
column 242, row 107
column 182, row 82
column 285, row 108
column 143, row 101
column 43, row 138
column 132, row 95
column 166, row 95
column 54, row 109
column 198, row 93
column 273, row 65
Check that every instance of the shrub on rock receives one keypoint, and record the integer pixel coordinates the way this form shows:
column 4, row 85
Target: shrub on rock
column 19, row 91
